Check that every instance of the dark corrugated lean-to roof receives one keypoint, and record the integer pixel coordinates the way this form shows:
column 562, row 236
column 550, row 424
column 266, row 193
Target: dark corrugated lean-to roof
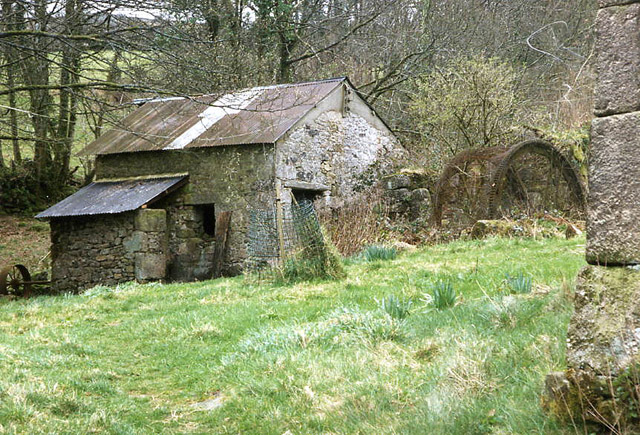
column 111, row 197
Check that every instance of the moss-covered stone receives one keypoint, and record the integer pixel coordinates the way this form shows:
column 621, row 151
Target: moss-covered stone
column 596, row 401
column 605, row 329
column 150, row 219
column 508, row 228
column 601, row 383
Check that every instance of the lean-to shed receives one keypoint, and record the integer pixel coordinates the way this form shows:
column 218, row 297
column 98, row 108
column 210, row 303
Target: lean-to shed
column 170, row 168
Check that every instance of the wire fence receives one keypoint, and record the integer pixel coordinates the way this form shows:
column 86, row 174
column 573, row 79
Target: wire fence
column 271, row 243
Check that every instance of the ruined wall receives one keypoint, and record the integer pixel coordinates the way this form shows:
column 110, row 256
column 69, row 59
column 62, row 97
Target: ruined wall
column 344, row 153
column 233, row 178
column 87, row 251
column 604, row 333
column 614, row 173
column 408, row 193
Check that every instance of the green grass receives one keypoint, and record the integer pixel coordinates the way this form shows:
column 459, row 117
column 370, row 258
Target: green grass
column 378, row 253
column 315, row 357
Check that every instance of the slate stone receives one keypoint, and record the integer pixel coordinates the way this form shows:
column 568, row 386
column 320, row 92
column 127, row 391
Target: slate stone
column 618, row 60
column 613, row 217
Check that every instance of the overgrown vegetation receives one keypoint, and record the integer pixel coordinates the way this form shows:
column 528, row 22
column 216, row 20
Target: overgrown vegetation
column 364, row 221
column 313, row 357
column 469, row 103
column 317, row 257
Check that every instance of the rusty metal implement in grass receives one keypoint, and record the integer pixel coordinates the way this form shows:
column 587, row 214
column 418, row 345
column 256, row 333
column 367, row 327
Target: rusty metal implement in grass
column 16, row 280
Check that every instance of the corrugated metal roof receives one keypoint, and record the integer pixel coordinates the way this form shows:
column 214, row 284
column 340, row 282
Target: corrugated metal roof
column 111, row 197
column 250, row 116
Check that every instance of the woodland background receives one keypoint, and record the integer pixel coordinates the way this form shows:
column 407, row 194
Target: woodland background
column 445, row 74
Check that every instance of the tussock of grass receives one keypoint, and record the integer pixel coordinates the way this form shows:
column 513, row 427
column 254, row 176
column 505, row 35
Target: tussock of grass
column 308, row 357
column 379, row 253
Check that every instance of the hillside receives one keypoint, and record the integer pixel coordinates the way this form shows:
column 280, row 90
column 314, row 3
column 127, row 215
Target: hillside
column 239, row 356
column 25, row 241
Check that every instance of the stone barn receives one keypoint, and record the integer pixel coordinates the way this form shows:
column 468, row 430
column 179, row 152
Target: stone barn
column 169, row 173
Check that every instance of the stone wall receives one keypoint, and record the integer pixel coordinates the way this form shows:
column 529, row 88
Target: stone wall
column 345, row 153
column 408, row 193
column 232, row 178
column 87, row 251
column 604, row 333
column 191, row 248
column 108, row 249
column 152, row 243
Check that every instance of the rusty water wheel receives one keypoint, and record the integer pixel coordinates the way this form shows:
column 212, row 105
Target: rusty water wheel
column 15, row 280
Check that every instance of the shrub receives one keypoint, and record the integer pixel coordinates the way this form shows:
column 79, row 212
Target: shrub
column 443, row 295
column 22, row 193
column 379, row 252
column 363, row 221
column 395, row 307
column 520, row 283
column 317, row 262
column 469, row 103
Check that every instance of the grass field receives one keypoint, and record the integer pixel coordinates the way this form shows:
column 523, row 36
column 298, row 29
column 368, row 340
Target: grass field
column 238, row 356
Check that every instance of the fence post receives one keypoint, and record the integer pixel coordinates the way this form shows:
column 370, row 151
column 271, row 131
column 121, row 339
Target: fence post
column 280, row 223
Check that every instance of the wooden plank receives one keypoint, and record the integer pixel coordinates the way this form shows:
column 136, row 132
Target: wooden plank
column 222, row 231
column 280, row 223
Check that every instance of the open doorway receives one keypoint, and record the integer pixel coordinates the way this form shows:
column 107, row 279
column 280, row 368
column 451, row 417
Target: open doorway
column 306, row 195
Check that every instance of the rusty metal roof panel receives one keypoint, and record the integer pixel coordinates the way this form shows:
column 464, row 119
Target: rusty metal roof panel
column 250, row 116
column 112, row 197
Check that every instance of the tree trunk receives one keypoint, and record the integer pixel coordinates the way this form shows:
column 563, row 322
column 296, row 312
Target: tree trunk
column 9, row 18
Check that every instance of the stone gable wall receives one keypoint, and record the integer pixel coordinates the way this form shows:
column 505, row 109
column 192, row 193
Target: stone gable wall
column 344, row 153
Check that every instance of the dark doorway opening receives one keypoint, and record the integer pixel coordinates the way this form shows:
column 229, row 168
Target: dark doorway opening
column 208, row 212
column 306, row 195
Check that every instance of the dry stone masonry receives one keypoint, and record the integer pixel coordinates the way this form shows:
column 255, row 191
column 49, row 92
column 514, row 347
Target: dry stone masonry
column 109, row 249
column 91, row 251
column 604, row 333
column 408, row 193
column 317, row 140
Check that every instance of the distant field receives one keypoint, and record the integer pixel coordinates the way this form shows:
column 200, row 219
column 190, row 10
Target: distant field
column 237, row 356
